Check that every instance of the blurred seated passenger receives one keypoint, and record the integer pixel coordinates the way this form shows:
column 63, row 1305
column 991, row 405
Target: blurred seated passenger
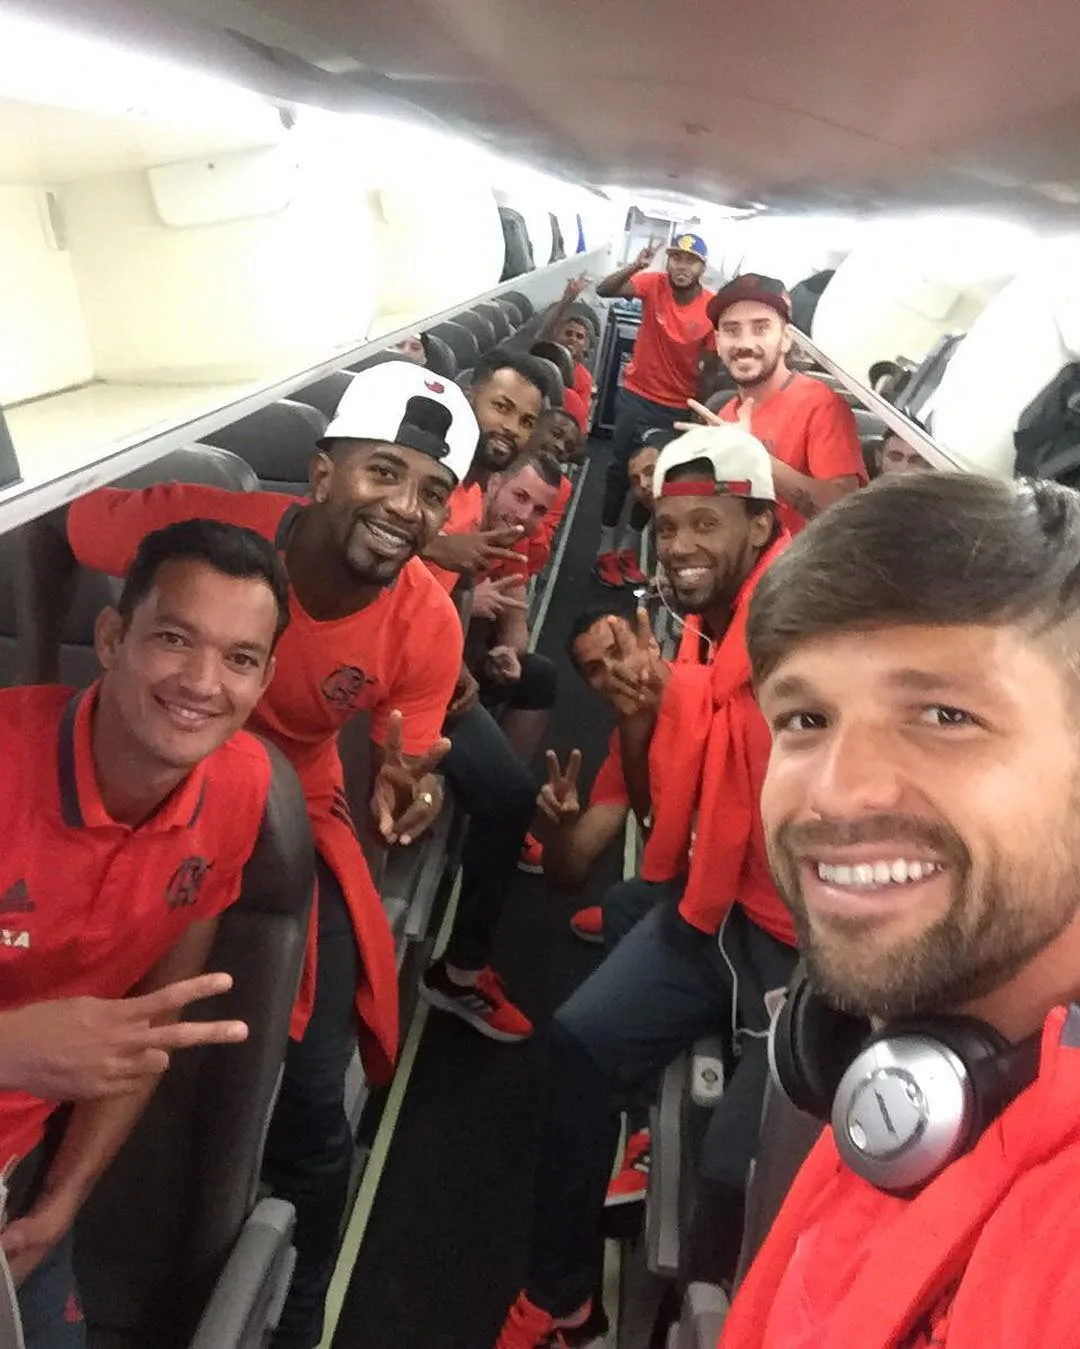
column 895, row 456
column 412, row 348
column 574, row 333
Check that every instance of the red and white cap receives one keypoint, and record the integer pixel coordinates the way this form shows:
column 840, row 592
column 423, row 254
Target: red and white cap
column 400, row 403
column 739, row 461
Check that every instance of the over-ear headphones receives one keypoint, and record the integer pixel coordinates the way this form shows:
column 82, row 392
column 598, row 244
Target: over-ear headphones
column 904, row 1101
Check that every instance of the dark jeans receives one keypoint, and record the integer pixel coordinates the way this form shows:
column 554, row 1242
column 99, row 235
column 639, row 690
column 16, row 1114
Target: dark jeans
column 309, row 1148
column 49, row 1304
column 499, row 793
column 627, row 903
column 534, row 691
column 634, row 416
column 664, row 986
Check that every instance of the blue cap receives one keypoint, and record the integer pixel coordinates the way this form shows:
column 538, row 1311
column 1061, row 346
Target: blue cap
column 689, row 243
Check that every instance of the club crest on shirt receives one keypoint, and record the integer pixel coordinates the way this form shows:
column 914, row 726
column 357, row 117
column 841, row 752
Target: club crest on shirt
column 345, row 685
column 186, row 882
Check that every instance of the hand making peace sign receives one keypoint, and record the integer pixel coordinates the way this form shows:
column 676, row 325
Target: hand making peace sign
column 407, row 795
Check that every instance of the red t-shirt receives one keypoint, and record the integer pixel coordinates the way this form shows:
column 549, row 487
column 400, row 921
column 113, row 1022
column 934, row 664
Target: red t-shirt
column 670, row 342
column 609, row 785
column 88, row 906
column 583, row 384
column 983, row 1257
column 809, row 427
column 401, row 652
column 466, row 517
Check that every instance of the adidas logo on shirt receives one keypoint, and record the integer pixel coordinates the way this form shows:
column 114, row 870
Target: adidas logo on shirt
column 16, row 899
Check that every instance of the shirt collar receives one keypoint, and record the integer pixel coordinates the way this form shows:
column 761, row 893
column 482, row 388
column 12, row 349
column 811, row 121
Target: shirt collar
column 81, row 806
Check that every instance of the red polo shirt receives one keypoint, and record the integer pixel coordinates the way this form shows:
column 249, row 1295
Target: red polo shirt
column 809, row 427
column 89, row 906
column 670, row 342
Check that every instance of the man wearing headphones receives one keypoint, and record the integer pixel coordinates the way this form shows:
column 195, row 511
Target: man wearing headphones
column 920, row 814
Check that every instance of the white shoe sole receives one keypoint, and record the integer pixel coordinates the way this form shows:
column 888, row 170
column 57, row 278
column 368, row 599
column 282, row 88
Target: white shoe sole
column 434, row 998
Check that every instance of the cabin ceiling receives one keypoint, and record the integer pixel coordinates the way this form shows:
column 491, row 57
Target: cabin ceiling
column 838, row 104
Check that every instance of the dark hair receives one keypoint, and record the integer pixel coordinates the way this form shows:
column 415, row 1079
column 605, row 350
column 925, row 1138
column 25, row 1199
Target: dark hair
column 545, row 465
column 229, row 549
column 934, row 549
column 550, row 413
column 503, row 358
column 657, row 438
column 588, row 618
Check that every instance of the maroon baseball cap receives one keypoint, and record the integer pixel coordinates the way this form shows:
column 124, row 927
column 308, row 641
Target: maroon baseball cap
column 764, row 289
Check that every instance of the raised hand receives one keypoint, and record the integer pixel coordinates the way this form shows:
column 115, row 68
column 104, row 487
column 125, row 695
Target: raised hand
column 576, row 286
column 638, row 675
column 558, row 799
column 407, row 795
column 475, row 551
column 504, row 664
column 74, row 1049
column 493, row 598
column 744, row 416
column 647, row 254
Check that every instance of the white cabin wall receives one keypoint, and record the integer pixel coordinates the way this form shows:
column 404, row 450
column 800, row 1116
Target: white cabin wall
column 227, row 301
column 439, row 242
column 43, row 340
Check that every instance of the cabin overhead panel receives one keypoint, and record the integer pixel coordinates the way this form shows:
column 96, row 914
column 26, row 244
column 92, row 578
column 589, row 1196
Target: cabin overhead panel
column 788, row 104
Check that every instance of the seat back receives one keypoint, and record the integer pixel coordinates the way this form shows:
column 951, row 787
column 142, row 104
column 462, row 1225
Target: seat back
column 787, row 1135
column 440, row 359
column 152, row 1240
column 78, row 663
column 278, row 442
column 498, row 317
column 514, row 317
column 559, row 356
column 461, row 342
column 480, row 327
column 326, row 393
column 554, row 388
column 524, row 305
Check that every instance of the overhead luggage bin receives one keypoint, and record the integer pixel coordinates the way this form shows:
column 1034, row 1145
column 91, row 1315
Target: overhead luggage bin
column 1013, row 351
column 908, row 284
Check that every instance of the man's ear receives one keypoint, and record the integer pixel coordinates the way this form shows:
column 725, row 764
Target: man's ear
column 108, row 634
column 268, row 672
column 788, row 340
column 321, row 475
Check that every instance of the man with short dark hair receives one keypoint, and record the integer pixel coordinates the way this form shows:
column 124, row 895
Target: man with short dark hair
column 808, row 429
column 920, row 813
column 717, row 941
column 572, row 331
column 663, row 375
column 371, row 631
column 129, row 811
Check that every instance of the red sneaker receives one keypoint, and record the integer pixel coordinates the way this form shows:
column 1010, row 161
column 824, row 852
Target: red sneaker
column 532, row 856
column 483, row 1005
column 588, row 924
column 631, row 1185
column 628, row 565
column 528, row 1326
column 608, row 571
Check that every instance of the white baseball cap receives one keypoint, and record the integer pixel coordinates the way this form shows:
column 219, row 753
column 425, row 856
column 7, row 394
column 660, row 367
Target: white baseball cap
column 740, row 463
column 400, row 403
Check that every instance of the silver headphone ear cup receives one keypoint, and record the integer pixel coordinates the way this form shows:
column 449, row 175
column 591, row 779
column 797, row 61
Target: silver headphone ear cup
column 904, row 1109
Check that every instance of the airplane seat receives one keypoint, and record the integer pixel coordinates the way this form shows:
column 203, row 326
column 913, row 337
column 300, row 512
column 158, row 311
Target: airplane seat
column 326, row 393
column 499, row 319
column 439, row 358
column 481, row 328
column 461, row 342
column 555, row 384
column 559, row 356
column 278, row 441
column 78, row 665
column 174, row 1247
column 721, row 399
column 525, row 306
column 513, row 313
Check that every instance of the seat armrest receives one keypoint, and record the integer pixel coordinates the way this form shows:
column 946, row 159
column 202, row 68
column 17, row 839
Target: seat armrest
column 248, row 1297
column 704, row 1310
column 662, row 1209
